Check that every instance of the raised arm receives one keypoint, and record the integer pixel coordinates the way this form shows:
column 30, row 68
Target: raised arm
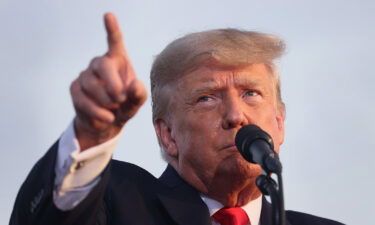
column 105, row 96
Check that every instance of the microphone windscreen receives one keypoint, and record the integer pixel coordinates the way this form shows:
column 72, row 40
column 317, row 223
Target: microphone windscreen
column 247, row 135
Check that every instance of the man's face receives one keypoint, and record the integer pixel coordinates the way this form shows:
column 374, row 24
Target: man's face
column 208, row 107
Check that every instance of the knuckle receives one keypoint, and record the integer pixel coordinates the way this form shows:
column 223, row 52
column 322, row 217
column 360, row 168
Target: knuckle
column 90, row 84
column 102, row 63
column 78, row 97
column 100, row 99
column 73, row 87
column 84, row 106
column 114, row 89
column 88, row 108
column 97, row 63
column 77, row 102
column 82, row 76
column 87, row 81
column 94, row 61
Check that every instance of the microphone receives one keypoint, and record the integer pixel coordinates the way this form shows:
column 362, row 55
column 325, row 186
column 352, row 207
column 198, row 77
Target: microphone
column 256, row 146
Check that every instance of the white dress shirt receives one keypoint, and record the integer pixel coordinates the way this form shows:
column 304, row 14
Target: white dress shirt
column 78, row 172
column 252, row 209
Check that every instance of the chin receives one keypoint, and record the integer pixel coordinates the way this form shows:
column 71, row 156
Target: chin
column 236, row 179
column 239, row 170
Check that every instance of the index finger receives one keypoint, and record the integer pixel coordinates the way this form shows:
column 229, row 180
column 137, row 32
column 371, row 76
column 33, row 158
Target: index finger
column 114, row 36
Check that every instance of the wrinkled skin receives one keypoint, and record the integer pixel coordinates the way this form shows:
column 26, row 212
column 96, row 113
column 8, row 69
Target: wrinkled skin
column 208, row 107
column 106, row 94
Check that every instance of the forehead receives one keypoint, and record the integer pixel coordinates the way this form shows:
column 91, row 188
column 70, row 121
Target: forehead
column 255, row 74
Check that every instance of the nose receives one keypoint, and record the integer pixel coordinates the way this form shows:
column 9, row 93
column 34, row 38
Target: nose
column 234, row 114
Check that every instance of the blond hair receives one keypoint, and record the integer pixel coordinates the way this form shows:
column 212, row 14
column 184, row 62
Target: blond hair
column 221, row 47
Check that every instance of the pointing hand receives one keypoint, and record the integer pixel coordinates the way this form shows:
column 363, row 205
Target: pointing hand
column 107, row 94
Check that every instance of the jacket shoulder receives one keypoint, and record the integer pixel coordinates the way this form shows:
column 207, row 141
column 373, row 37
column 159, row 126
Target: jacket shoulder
column 297, row 218
column 121, row 171
column 127, row 176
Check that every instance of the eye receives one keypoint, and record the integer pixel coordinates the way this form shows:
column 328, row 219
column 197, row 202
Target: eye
column 204, row 99
column 251, row 93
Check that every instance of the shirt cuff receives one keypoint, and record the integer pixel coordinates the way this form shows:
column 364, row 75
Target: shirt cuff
column 78, row 172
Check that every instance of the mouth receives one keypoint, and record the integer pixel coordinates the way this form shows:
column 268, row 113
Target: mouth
column 230, row 147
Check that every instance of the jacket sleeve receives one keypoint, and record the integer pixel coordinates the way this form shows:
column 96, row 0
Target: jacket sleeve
column 34, row 203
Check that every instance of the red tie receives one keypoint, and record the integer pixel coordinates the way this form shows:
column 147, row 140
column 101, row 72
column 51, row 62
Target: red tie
column 231, row 216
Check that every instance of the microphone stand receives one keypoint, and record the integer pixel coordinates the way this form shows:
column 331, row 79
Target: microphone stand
column 268, row 186
column 256, row 146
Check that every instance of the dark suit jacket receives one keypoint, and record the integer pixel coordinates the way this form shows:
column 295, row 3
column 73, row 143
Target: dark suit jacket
column 126, row 194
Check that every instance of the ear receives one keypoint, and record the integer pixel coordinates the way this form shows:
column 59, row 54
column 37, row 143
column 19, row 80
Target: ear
column 280, row 117
column 164, row 134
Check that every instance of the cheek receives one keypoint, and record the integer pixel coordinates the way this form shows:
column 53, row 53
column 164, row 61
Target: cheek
column 201, row 124
column 199, row 134
column 196, row 139
column 266, row 118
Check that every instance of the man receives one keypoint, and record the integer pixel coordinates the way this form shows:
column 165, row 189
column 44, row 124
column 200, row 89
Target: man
column 205, row 87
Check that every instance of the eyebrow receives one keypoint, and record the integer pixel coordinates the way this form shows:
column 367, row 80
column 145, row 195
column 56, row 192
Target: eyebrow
column 215, row 86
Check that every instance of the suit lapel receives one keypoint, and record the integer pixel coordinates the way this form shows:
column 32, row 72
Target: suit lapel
column 185, row 207
column 181, row 201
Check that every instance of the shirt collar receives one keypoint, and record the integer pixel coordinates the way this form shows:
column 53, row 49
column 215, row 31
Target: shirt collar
column 252, row 208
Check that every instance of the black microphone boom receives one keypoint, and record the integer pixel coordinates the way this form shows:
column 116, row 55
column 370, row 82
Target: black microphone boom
column 256, row 146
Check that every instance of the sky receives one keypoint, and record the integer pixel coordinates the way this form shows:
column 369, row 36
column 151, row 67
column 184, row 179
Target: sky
column 327, row 77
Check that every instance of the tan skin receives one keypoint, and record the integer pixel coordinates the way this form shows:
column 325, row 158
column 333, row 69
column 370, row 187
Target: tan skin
column 107, row 94
column 209, row 106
